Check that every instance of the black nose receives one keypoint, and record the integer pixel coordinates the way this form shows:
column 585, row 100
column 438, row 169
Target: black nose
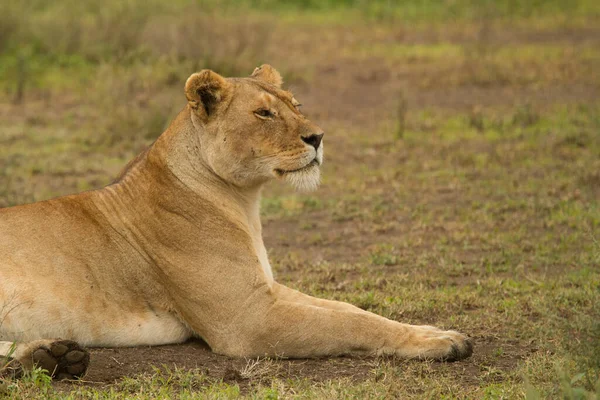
column 314, row 140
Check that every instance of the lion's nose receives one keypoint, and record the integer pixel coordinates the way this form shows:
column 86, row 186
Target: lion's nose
column 314, row 140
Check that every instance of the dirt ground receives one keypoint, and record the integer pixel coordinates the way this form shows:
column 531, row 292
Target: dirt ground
column 109, row 365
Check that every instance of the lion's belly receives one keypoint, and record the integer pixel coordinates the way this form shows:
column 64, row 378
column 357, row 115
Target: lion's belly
column 33, row 310
column 76, row 282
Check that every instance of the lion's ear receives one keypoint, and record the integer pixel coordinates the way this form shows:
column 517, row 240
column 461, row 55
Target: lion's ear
column 205, row 90
column 268, row 74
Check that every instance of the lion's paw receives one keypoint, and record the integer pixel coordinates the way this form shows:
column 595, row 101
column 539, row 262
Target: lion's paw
column 460, row 348
column 63, row 359
column 444, row 345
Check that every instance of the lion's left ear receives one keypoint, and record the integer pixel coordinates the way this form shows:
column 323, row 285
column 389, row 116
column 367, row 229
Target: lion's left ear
column 205, row 90
column 268, row 74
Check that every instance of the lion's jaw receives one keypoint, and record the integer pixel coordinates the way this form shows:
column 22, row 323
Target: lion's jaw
column 306, row 178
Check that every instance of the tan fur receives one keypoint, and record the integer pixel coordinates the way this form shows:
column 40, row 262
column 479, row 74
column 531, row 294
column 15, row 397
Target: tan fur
column 174, row 248
column 268, row 74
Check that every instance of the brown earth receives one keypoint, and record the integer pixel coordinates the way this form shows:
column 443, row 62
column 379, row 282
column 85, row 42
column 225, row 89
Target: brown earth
column 110, row 365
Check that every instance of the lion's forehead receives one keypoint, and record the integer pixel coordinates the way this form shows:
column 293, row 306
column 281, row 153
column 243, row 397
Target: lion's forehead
column 267, row 89
column 273, row 96
column 267, row 98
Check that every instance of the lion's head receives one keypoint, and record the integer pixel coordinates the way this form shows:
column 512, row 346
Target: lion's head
column 251, row 130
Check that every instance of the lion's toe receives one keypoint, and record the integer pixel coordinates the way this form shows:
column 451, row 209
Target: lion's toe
column 436, row 344
column 459, row 350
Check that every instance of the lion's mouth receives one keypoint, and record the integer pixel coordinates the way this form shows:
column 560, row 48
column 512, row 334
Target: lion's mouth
column 314, row 162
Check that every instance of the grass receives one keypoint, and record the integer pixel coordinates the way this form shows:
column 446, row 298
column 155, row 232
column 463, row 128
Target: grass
column 504, row 244
column 466, row 196
column 512, row 258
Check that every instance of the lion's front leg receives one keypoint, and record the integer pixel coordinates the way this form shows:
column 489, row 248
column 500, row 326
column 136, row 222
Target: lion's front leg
column 299, row 330
column 294, row 296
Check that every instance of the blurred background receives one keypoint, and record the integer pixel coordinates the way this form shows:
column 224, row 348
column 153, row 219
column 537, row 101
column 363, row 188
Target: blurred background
column 106, row 77
column 462, row 155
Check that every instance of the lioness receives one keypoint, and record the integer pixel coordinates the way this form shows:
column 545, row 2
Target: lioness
column 173, row 249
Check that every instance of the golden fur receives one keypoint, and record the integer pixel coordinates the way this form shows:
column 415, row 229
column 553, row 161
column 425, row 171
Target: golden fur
column 173, row 249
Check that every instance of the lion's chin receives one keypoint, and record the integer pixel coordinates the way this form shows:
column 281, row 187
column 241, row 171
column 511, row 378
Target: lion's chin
column 304, row 180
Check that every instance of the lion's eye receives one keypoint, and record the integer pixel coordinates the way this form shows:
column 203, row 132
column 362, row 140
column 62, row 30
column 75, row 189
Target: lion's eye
column 264, row 113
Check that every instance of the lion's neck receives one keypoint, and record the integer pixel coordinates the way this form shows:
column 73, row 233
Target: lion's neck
column 170, row 177
column 176, row 154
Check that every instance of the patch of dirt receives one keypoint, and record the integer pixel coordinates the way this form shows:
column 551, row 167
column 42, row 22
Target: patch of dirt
column 108, row 366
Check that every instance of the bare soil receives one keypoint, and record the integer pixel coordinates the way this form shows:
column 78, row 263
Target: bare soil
column 109, row 365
